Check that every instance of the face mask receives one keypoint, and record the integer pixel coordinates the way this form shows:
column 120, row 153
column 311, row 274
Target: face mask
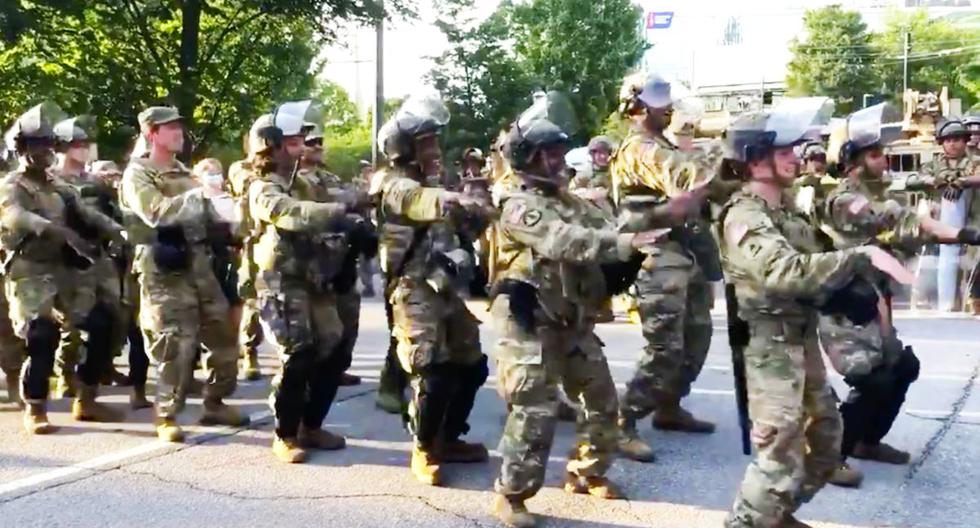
column 215, row 180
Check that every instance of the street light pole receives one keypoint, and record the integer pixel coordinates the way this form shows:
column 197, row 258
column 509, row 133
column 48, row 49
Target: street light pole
column 906, row 48
column 379, row 88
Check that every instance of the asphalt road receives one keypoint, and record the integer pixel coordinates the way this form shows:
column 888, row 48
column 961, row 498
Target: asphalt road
column 119, row 475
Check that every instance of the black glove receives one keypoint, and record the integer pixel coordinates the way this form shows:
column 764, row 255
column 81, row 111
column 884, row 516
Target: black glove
column 969, row 235
column 170, row 251
column 621, row 275
column 858, row 301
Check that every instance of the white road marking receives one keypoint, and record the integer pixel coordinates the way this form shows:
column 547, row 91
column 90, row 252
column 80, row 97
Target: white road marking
column 114, row 459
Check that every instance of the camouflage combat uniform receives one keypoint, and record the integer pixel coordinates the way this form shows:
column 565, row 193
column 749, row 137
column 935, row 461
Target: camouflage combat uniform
column 772, row 257
column 297, row 305
column 250, row 335
column 553, row 244
column 878, row 369
column 40, row 287
column 183, row 307
column 438, row 339
column 673, row 292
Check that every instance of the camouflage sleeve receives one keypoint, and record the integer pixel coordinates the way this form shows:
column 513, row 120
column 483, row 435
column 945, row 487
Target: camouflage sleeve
column 887, row 221
column 92, row 216
column 665, row 170
column 760, row 254
column 548, row 235
column 269, row 203
column 406, row 197
column 15, row 214
column 145, row 200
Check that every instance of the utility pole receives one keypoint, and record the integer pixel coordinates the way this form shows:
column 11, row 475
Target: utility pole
column 379, row 88
column 906, row 48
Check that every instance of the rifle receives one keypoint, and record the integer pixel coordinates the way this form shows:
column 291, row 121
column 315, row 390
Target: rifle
column 738, row 339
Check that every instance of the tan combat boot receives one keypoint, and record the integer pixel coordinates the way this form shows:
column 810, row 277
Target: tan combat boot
column 975, row 306
column 288, row 450
column 676, row 418
column 86, row 409
column 425, row 467
column 513, row 513
column 460, row 452
column 216, row 412
column 846, row 477
column 36, row 419
column 169, row 431
column 66, row 387
column 310, row 438
column 630, row 444
column 599, row 487
column 251, row 365
column 137, row 398
column 882, row 452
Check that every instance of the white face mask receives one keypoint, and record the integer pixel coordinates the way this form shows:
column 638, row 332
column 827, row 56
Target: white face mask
column 215, row 180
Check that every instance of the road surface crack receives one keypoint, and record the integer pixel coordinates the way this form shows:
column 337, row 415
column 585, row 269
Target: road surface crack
column 288, row 497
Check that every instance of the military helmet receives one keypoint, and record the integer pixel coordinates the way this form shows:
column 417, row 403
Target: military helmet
column 600, row 141
column 419, row 116
column 644, row 90
column 310, row 112
column 36, row 124
column 972, row 122
column 812, row 149
column 951, row 128
column 548, row 121
column 268, row 131
column 79, row 128
column 870, row 127
column 753, row 135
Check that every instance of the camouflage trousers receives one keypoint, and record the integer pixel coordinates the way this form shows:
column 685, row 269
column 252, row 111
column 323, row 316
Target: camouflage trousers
column 11, row 346
column 349, row 312
column 98, row 284
column 675, row 313
column 796, row 429
column 530, row 368
column 438, row 346
column 304, row 329
column 179, row 312
column 250, row 334
column 42, row 300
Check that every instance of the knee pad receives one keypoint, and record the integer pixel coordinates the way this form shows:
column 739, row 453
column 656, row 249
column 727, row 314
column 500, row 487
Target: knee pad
column 43, row 334
column 907, row 367
column 475, row 375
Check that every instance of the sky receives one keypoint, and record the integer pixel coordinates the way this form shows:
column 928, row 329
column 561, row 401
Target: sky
column 689, row 50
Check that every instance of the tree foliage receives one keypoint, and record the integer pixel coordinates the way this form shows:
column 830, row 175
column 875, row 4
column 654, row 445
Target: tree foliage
column 222, row 62
column 491, row 69
column 839, row 58
column 931, row 64
column 835, row 57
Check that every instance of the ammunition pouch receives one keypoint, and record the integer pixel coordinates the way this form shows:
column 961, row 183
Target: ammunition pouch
column 698, row 239
column 171, row 251
column 523, row 299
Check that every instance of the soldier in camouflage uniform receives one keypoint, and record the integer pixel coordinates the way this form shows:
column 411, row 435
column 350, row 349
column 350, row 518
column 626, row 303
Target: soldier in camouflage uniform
column 44, row 253
column 774, row 259
column 955, row 173
column 655, row 185
column 296, row 257
column 810, row 190
column 346, row 245
column 438, row 339
column 250, row 337
column 98, row 285
column 182, row 307
column 874, row 363
column 547, row 291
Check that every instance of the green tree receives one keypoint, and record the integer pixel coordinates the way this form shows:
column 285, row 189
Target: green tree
column 583, row 47
column 222, row 62
column 941, row 55
column 834, row 58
